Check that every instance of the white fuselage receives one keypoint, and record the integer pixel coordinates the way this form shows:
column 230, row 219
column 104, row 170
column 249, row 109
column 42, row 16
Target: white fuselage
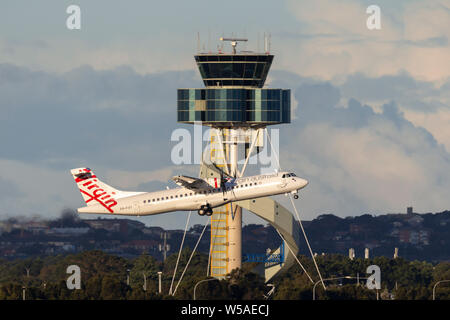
column 184, row 199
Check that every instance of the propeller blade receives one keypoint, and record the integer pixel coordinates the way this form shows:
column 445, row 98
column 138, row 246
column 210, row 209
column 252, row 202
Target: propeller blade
column 222, row 183
column 232, row 211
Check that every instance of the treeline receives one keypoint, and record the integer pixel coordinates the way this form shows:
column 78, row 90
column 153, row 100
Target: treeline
column 109, row 277
column 400, row 279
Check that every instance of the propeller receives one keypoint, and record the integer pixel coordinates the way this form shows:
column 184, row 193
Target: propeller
column 223, row 184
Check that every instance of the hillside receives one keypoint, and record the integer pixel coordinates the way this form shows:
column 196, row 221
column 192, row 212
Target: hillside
column 417, row 236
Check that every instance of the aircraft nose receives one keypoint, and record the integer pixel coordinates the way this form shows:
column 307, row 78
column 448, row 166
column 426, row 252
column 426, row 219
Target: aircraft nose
column 303, row 183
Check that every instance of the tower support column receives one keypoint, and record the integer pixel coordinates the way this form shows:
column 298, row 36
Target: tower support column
column 235, row 213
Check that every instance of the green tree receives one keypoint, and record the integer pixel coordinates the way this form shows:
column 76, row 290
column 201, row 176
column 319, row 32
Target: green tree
column 144, row 264
column 113, row 288
column 93, row 288
column 11, row 291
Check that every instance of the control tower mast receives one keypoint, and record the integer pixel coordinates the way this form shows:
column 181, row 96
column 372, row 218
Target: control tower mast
column 237, row 107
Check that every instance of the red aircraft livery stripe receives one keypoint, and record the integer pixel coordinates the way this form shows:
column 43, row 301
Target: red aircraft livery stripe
column 92, row 197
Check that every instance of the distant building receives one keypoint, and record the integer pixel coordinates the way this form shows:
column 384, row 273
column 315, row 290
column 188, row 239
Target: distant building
column 351, row 253
column 115, row 225
column 404, row 235
column 395, row 253
column 356, row 228
column 409, row 210
column 141, row 245
column 414, row 237
column 415, row 220
column 424, row 237
column 153, row 230
column 67, row 231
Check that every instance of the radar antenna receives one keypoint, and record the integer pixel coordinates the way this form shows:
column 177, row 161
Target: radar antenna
column 233, row 41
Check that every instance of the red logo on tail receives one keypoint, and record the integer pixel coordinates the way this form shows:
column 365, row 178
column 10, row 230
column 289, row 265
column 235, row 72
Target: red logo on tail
column 98, row 194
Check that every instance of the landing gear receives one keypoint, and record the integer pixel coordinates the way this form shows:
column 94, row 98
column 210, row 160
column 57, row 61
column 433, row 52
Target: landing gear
column 295, row 196
column 205, row 209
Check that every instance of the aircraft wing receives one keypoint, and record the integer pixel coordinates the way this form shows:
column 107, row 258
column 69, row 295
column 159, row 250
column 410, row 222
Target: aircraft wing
column 191, row 183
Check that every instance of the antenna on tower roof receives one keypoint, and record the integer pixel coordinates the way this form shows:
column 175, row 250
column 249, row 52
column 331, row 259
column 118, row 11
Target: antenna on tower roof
column 257, row 45
column 265, row 43
column 245, row 36
column 233, row 41
column 209, row 40
column 198, row 42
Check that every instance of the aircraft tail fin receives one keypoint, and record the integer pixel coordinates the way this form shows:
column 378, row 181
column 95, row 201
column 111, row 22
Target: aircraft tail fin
column 96, row 192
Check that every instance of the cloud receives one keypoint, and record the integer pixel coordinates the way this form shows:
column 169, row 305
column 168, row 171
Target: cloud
column 424, row 103
column 437, row 123
column 358, row 160
column 148, row 180
column 32, row 189
column 321, row 38
column 357, row 157
column 9, row 190
column 116, row 121
column 85, row 115
column 334, row 39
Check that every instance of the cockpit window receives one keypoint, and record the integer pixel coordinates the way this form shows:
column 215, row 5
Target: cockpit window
column 287, row 175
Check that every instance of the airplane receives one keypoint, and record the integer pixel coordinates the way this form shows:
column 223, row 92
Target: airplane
column 193, row 194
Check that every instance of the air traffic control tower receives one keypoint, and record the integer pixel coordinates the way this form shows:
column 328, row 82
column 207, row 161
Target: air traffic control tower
column 237, row 107
column 234, row 95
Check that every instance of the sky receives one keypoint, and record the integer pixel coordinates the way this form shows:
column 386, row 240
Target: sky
column 371, row 108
